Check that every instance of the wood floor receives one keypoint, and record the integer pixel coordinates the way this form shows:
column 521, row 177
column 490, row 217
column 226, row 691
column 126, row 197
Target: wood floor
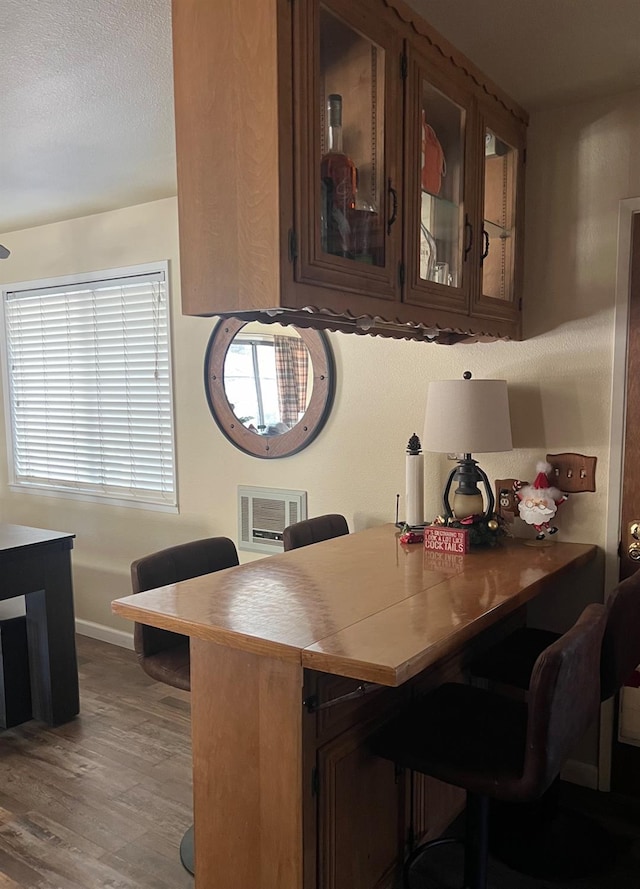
column 101, row 802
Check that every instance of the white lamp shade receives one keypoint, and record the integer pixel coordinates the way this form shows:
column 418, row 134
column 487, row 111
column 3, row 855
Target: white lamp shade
column 467, row 417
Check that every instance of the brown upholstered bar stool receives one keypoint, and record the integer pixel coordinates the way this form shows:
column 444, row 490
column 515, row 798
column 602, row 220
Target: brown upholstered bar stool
column 162, row 654
column 322, row 527
column 544, row 841
column 496, row 747
column 510, row 662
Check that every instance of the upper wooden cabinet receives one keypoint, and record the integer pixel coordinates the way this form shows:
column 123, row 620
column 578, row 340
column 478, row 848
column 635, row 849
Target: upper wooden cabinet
column 341, row 166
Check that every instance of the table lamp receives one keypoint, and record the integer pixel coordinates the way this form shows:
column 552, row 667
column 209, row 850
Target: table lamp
column 463, row 417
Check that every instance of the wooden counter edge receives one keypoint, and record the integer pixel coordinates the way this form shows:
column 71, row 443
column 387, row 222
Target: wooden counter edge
column 228, row 638
column 352, row 667
column 388, row 675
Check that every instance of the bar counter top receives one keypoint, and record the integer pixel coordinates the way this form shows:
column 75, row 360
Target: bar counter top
column 363, row 605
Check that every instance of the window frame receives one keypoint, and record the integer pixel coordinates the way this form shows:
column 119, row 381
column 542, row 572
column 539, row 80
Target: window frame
column 255, row 341
column 139, row 499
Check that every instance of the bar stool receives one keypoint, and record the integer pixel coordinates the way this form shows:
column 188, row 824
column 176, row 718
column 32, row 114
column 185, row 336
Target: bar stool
column 499, row 748
column 510, row 662
column 544, row 841
column 322, row 527
column 162, row 654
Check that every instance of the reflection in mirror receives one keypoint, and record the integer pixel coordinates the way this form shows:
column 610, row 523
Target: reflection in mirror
column 269, row 386
column 268, row 377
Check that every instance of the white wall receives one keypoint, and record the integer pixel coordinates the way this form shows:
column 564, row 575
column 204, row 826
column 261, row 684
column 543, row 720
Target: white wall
column 580, row 164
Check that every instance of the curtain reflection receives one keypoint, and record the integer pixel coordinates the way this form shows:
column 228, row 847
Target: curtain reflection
column 292, row 368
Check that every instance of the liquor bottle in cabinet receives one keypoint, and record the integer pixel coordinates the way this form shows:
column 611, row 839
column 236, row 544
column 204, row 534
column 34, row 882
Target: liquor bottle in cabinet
column 339, row 179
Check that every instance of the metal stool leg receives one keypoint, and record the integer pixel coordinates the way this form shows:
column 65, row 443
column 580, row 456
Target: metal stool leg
column 476, row 851
column 186, row 851
column 419, row 851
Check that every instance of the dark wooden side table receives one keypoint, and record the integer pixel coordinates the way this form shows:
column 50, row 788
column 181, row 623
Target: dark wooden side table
column 36, row 564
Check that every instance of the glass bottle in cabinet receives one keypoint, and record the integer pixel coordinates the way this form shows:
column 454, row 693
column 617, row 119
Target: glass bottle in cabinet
column 351, row 100
column 339, row 184
column 499, row 217
column 442, row 133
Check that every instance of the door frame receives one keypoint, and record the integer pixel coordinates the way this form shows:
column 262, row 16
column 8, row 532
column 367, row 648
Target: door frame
column 628, row 208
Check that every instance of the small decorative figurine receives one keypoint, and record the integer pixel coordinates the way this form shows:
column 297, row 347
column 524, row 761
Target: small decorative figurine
column 411, row 535
column 480, row 531
column 538, row 503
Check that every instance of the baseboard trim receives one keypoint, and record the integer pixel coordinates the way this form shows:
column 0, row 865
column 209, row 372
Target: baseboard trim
column 580, row 773
column 104, row 634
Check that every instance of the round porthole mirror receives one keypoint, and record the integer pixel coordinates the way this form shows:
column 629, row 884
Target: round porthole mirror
column 269, row 386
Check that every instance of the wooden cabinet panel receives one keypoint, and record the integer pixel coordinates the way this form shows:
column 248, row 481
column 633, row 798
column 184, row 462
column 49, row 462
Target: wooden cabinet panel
column 435, row 805
column 502, row 211
column 360, row 819
column 360, row 812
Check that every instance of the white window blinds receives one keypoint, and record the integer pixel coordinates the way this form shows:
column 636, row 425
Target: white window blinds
column 89, row 385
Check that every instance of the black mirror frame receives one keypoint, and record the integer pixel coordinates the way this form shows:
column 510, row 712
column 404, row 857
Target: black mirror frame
column 310, row 424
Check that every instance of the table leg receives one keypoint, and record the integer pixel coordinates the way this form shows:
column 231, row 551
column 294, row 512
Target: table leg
column 52, row 644
column 246, row 717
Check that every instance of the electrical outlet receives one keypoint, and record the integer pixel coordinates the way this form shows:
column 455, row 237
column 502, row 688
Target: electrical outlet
column 572, row 473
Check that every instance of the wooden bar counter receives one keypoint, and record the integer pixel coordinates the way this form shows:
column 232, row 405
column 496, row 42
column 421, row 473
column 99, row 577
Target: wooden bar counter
column 285, row 794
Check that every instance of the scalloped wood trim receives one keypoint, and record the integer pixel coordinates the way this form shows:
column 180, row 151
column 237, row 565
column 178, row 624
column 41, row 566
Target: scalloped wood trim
column 326, row 319
column 410, row 17
column 379, row 325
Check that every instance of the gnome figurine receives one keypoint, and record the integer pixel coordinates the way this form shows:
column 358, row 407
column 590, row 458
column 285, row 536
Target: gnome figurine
column 538, row 503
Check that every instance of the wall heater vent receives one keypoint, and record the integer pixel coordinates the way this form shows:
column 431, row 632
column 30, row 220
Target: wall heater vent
column 264, row 513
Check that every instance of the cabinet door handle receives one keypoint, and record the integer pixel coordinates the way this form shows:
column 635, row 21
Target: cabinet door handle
column 468, row 228
column 394, row 206
column 485, row 249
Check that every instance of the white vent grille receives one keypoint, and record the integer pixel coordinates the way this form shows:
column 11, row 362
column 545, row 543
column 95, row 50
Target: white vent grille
column 264, row 513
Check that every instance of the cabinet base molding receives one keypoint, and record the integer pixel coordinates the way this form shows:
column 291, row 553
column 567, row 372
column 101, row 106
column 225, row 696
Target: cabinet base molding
column 378, row 326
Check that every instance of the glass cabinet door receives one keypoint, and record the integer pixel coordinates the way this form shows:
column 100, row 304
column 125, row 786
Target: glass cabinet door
column 352, row 74
column 350, row 106
column 440, row 235
column 441, row 186
column 499, row 217
column 502, row 181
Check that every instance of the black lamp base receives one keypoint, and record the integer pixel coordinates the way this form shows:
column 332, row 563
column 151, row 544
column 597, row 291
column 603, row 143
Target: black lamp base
column 467, row 474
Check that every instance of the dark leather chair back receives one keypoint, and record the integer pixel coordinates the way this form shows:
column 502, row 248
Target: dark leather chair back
column 621, row 641
column 322, row 527
column 165, row 567
column 564, row 698
column 510, row 662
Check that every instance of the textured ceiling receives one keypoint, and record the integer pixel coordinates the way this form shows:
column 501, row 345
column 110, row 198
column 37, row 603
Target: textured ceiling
column 86, row 108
